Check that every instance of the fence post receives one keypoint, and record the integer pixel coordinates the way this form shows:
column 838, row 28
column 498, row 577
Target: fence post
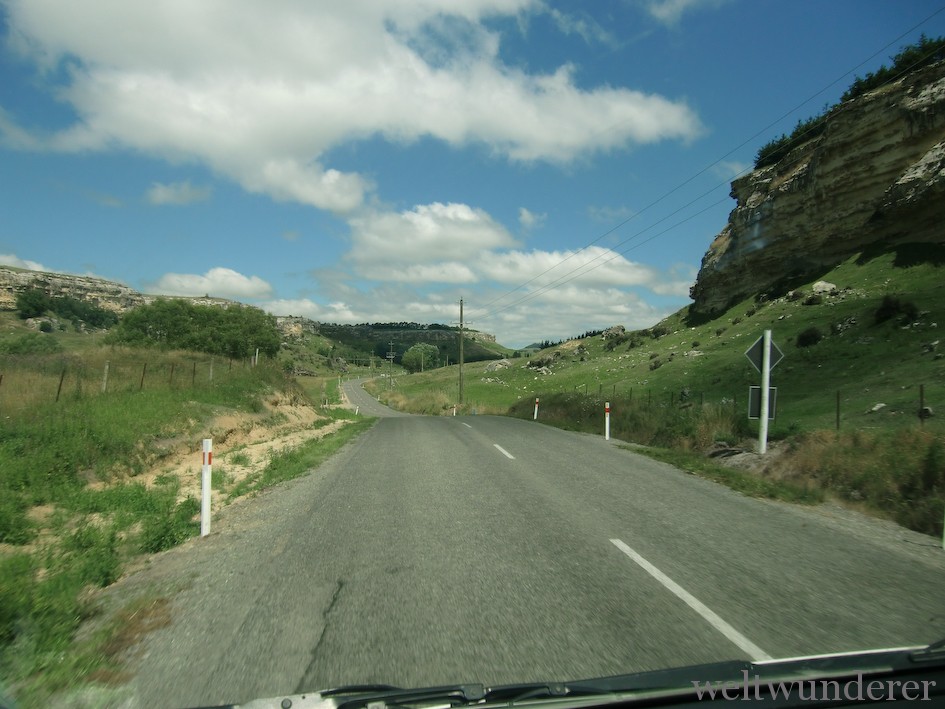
column 105, row 378
column 205, row 487
column 193, row 376
column 59, row 390
column 144, row 370
column 171, row 380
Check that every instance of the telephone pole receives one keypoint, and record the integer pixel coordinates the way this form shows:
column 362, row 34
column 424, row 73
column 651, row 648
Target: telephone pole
column 460, row 351
column 390, row 368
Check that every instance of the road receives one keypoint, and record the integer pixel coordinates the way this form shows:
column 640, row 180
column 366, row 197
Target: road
column 437, row 550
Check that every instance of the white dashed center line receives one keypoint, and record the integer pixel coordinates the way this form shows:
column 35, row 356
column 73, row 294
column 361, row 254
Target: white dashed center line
column 504, row 452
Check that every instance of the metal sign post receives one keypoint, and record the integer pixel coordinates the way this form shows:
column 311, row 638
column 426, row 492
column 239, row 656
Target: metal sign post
column 764, row 355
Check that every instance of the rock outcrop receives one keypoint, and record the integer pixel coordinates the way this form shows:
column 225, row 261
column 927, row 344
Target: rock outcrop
column 874, row 176
column 99, row 292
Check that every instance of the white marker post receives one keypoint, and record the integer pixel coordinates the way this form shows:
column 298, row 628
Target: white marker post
column 535, row 417
column 205, row 487
column 607, row 421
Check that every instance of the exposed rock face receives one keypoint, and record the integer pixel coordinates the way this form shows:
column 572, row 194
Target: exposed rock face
column 99, row 292
column 107, row 295
column 296, row 326
column 875, row 175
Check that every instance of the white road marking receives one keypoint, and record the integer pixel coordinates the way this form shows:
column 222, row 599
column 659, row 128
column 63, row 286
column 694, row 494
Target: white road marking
column 465, row 424
column 504, row 452
column 754, row 652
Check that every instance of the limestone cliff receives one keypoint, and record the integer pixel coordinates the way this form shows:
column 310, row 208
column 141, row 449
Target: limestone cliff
column 875, row 175
column 101, row 293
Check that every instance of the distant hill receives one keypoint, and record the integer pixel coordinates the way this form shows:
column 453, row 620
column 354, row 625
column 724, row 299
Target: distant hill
column 353, row 343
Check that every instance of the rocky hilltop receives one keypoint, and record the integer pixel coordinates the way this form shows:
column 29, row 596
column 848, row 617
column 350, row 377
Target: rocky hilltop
column 875, row 176
column 99, row 292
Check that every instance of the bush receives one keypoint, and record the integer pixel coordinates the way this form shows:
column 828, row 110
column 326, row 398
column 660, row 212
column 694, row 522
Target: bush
column 892, row 307
column 809, row 337
column 96, row 552
column 164, row 531
column 30, row 343
column 233, row 332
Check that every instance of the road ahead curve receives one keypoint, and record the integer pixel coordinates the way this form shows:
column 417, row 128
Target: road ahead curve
column 437, row 550
column 366, row 404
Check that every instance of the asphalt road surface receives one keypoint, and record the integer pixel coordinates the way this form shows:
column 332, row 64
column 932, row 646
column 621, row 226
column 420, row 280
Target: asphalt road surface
column 438, row 550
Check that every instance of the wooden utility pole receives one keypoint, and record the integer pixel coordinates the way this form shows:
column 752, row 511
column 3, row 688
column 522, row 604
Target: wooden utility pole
column 460, row 350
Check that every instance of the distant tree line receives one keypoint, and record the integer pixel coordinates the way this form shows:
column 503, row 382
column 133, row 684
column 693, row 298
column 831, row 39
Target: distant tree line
column 36, row 302
column 915, row 56
column 235, row 332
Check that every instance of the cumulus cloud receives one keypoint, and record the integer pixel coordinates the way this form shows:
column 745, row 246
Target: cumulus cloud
column 592, row 265
column 177, row 193
column 431, row 242
column 17, row 262
column 262, row 92
column 218, row 282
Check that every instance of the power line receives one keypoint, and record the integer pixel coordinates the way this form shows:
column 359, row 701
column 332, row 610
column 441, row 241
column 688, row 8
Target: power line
column 563, row 279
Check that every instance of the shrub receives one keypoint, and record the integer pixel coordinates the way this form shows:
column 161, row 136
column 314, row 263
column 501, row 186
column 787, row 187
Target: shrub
column 30, row 343
column 163, row 531
column 892, row 307
column 810, row 336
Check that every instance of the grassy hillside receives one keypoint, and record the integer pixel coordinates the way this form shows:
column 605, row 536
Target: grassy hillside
column 90, row 477
column 684, row 385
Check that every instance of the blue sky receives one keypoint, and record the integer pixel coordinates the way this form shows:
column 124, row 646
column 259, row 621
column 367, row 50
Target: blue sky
column 376, row 161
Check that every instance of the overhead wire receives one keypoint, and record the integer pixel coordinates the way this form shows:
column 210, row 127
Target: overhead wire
column 583, row 269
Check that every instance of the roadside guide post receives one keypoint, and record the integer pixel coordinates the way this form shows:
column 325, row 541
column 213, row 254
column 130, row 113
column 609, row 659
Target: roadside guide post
column 607, row 421
column 764, row 355
column 535, row 417
column 205, row 487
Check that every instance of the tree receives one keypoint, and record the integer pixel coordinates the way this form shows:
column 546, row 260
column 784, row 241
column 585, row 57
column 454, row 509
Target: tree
column 233, row 332
column 421, row 356
column 32, row 303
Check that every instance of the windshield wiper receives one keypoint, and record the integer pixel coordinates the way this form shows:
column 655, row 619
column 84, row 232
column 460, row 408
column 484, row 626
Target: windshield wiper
column 364, row 696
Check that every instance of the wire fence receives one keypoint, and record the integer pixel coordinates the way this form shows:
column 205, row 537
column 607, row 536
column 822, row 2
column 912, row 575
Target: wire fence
column 30, row 381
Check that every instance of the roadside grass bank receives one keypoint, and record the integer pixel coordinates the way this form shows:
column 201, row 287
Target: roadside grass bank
column 897, row 473
column 293, row 462
column 76, row 504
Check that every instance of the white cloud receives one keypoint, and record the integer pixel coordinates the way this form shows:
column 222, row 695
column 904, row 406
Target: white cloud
column 593, row 265
column 669, row 12
column 731, row 169
column 218, row 282
column 431, row 242
column 261, row 92
column 584, row 26
column 609, row 215
column 177, row 193
column 17, row 262
column 530, row 220
column 567, row 312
